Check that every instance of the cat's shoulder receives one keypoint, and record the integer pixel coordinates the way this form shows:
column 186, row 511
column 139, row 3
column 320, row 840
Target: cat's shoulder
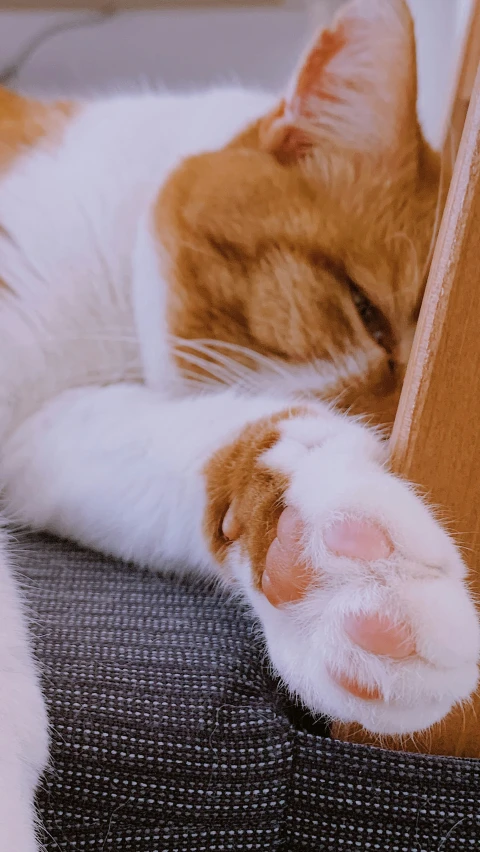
column 185, row 121
column 26, row 121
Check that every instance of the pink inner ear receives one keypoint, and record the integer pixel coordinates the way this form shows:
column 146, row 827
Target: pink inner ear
column 311, row 79
column 356, row 86
column 279, row 133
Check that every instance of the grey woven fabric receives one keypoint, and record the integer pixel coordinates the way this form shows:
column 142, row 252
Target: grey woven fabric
column 169, row 734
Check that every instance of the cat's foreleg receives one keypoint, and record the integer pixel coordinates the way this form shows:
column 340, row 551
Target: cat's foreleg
column 361, row 594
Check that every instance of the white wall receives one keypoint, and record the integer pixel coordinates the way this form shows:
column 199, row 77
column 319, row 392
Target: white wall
column 440, row 27
column 181, row 47
column 193, row 47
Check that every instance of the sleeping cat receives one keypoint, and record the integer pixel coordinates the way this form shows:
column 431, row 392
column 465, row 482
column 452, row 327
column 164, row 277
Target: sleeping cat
column 193, row 291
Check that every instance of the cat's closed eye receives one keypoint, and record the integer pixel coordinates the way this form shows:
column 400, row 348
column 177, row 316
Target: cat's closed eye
column 372, row 318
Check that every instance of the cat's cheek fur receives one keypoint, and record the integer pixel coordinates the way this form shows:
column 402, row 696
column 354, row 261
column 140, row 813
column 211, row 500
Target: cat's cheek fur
column 328, row 468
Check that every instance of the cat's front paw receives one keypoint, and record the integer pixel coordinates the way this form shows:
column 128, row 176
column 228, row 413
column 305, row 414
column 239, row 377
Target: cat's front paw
column 361, row 594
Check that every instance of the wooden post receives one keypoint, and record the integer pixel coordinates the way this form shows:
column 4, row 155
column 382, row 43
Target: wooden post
column 463, row 83
column 436, row 438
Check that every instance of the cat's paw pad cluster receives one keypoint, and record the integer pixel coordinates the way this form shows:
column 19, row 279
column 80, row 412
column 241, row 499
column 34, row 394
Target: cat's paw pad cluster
column 287, row 578
column 360, row 592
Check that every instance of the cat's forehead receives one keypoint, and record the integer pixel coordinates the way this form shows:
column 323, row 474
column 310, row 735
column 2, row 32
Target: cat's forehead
column 371, row 220
column 329, row 194
column 372, row 223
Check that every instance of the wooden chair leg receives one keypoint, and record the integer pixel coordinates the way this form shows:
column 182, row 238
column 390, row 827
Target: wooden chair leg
column 436, row 438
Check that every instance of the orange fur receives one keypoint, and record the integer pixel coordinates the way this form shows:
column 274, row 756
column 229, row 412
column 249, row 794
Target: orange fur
column 262, row 240
column 259, row 255
column 24, row 122
column 236, row 471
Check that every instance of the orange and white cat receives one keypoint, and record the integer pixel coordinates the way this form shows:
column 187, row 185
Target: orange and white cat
column 193, row 290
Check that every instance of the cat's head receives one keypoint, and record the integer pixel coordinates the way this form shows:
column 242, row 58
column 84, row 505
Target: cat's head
column 307, row 238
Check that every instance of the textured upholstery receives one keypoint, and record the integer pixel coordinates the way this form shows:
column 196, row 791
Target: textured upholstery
column 169, row 734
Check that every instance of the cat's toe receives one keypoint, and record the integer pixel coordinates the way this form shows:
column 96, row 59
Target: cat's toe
column 357, row 689
column 380, row 635
column 357, row 538
column 287, row 577
column 231, row 527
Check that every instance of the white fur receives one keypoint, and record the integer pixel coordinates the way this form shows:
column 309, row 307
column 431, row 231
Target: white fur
column 67, row 252
column 23, row 723
column 120, row 469
column 69, row 219
column 101, row 439
column 335, row 469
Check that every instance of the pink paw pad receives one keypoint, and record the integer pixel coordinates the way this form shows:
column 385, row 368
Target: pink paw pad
column 358, row 539
column 286, row 577
column 378, row 635
column 381, row 636
column 357, row 689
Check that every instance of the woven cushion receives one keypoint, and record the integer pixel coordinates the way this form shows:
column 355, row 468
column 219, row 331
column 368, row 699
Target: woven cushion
column 170, row 735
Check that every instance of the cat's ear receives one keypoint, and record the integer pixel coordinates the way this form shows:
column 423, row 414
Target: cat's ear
column 356, row 86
